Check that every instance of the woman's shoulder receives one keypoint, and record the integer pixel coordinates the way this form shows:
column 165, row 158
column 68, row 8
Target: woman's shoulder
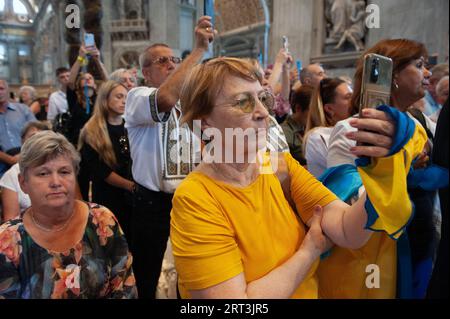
column 10, row 176
column 318, row 136
column 344, row 125
column 11, row 225
column 96, row 210
column 194, row 185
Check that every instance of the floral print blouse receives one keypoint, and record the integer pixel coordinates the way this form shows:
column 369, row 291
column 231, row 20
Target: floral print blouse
column 99, row 266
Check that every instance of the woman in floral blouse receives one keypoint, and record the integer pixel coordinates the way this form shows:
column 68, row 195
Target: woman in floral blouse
column 61, row 247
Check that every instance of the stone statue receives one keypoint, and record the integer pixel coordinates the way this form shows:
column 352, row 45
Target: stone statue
column 336, row 11
column 121, row 8
column 134, row 9
column 356, row 32
column 130, row 9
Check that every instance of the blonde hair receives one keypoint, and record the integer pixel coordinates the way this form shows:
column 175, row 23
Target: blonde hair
column 317, row 116
column 324, row 94
column 95, row 131
column 45, row 146
column 205, row 82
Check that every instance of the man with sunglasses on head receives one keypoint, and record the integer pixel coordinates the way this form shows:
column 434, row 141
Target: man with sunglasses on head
column 152, row 118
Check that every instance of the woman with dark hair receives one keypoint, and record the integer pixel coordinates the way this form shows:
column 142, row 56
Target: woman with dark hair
column 295, row 124
column 329, row 105
column 403, row 272
column 81, row 97
column 82, row 92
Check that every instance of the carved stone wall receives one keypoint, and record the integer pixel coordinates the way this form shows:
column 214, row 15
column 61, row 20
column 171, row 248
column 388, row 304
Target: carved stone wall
column 241, row 27
column 234, row 14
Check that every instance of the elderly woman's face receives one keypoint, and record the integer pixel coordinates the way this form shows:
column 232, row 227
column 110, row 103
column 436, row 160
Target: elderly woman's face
column 414, row 80
column 26, row 96
column 128, row 80
column 235, row 113
column 51, row 184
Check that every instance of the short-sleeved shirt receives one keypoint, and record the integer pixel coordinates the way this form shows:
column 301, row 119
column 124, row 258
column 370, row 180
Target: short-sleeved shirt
column 10, row 180
column 12, row 122
column 316, row 150
column 99, row 266
column 57, row 104
column 163, row 151
column 431, row 106
column 219, row 231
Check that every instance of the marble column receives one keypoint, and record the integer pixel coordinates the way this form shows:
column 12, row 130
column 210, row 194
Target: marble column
column 14, row 75
column 294, row 19
column 107, row 53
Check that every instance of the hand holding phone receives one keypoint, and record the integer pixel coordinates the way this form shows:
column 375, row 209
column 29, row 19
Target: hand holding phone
column 89, row 41
column 376, row 81
column 285, row 43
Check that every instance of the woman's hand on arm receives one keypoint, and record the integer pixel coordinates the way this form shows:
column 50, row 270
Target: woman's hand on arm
column 282, row 281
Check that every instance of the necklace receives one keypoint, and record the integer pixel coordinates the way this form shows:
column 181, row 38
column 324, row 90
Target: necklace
column 48, row 230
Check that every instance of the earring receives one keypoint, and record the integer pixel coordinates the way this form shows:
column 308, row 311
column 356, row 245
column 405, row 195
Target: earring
column 396, row 85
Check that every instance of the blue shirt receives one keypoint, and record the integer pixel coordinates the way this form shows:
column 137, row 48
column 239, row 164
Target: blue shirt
column 431, row 106
column 12, row 123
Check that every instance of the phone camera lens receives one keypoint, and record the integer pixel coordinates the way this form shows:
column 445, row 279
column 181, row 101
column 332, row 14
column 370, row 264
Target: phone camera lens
column 375, row 71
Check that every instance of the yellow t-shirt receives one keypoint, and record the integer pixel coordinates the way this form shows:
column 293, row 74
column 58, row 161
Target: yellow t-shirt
column 219, row 231
column 350, row 274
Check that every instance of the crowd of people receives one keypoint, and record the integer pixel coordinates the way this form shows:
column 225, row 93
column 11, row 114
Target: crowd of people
column 110, row 177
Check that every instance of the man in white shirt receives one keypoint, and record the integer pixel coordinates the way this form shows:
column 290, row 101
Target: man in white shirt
column 152, row 118
column 57, row 102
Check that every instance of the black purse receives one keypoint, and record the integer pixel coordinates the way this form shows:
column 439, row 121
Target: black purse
column 62, row 123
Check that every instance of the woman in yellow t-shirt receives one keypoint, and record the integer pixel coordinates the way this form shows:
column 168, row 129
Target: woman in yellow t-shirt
column 233, row 232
